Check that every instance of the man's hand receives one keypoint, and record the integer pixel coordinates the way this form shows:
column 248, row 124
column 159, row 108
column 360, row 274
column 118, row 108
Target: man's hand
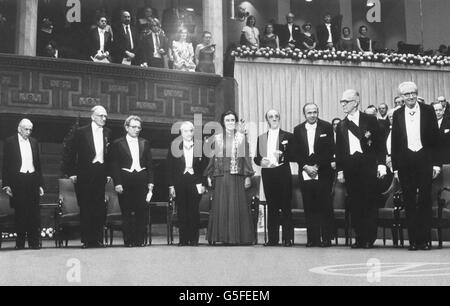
column 150, row 187
column 209, row 182
column 172, row 192
column 340, row 177
column 265, row 163
column 436, row 172
column 312, row 171
column 382, row 171
column 119, row 189
column 108, row 179
column 333, row 165
column 248, row 183
column 41, row 191
column 292, row 46
column 130, row 55
column 8, row 191
column 74, row 179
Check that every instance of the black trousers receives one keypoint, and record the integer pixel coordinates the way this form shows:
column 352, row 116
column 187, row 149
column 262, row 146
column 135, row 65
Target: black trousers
column 278, row 191
column 416, row 178
column 134, row 207
column 27, row 212
column 318, row 210
column 90, row 191
column 361, row 182
column 187, row 202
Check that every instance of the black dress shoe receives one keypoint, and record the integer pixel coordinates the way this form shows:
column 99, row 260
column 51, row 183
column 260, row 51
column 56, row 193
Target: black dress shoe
column 424, row 247
column 85, row 246
column 313, row 244
column 182, row 244
column 326, row 244
column 19, row 247
column 288, row 243
column 357, row 246
column 271, row 244
column 193, row 243
column 368, row 246
column 412, row 247
column 35, row 247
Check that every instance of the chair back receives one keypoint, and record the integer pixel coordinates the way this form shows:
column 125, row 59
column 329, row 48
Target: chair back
column 446, row 183
column 112, row 199
column 390, row 193
column 339, row 195
column 5, row 207
column 68, row 197
column 297, row 197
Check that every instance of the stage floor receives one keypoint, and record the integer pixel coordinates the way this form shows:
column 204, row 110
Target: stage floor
column 164, row 265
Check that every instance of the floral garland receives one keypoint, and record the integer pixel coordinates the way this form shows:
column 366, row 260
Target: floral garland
column 342, row 56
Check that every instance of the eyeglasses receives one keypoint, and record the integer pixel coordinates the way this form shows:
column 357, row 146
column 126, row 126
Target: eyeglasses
column 410, row 94
column 135, row 127
column 345, row 102
column 274, row 117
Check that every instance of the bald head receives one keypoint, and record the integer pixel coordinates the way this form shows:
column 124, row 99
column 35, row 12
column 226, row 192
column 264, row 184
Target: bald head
column 25, row 128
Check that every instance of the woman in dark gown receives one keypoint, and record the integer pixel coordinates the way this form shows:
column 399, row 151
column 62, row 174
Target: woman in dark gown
column 309, row 41
column 205, row 54
column 363, row 42
column 230, row 172
column 269, row 39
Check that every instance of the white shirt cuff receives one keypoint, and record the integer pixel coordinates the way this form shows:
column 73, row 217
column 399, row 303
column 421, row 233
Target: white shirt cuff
column 382, row 169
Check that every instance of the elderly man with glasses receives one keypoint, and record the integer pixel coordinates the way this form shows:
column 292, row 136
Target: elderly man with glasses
column 360, row 158
column 415, row 159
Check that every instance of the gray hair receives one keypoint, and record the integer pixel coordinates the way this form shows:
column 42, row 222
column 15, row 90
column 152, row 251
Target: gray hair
column 187, row 125
column 24, row 122
column 97, row 108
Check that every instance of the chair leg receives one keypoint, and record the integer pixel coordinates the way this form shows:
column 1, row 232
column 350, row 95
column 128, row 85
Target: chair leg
column 394, row 231
column 265, row 223
column 440, row 237
column 384, row 236
column 111, row 236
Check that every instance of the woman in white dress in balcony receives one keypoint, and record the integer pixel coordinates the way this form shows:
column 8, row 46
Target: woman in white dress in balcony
column 183, row 53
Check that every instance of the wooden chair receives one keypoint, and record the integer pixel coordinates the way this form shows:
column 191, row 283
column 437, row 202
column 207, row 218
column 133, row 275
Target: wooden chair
column 389, row 215
column 441, row 209
column 67, row 215
column 113, row 213
column 298, row 208
column 341, row 211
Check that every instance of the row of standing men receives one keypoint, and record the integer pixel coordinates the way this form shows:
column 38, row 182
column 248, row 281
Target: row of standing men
column 358, row 151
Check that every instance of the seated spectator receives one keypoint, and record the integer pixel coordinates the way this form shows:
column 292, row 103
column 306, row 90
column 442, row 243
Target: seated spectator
column 45, row 36
column 250, row 33
column 309, row 41
column 290, row 34
column 363, row 43
column 372, row 110
column 153, row 46
column 183, row 52
column 205, row 54
column 146, row 21
column 346, row 42
column 442, row 51
column 100, row 42
column 270, row 39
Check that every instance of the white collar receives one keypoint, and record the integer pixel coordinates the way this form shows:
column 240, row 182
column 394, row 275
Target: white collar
column 309, row 126
column 415, row 109
column 21, row 139
column 95, row 127
column 131, row 139
column 354, row 117
column 188, row 145
column 276, row 131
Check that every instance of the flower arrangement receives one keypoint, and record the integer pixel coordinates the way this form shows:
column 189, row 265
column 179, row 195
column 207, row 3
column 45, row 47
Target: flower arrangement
column 341, row 56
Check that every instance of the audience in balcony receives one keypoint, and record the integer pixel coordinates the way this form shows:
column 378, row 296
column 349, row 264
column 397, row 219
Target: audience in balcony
column 45, row 36
column 183, row 53
column 290, row 34
column 442, row 51
column 346, row 42
column 205, row 54
column 145, row 22
column 363, row 42
column 100, row 42
column 309, row 41
column 125, row 41
column 250, row 33
column 270, row 39
column 328, row 33
column 153, row 46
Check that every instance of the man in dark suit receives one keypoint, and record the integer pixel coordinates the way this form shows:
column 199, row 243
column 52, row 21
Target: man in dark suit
column 86, row 165
column 153, row 46
column 132, row 170
column 125, row 41
column 444, row 133
column 361, row 158
column 274, row 153
column 100, row 42
column 415, row 158
column 23, row 183
column 314, row 155
column 445, row 105
column 328, row 33
column 185, row 167
column 290, row 34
